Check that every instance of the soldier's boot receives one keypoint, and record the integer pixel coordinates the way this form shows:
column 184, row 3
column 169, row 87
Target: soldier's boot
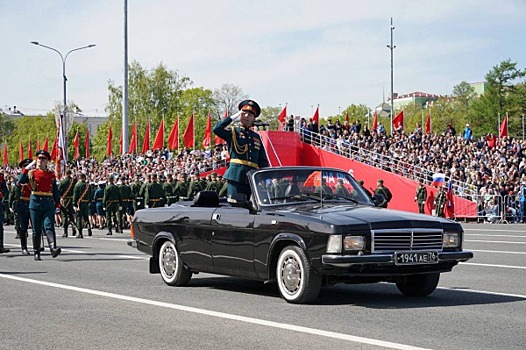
column 17, row 234
column 119, row 229
column 65, row 235
column 74, row 230
column 52, row 244
column 80, row 234
column 23, row 243
column 36, row 247
column 89, row 230
column 42, row 246
column 109, row 231
column 2, row 249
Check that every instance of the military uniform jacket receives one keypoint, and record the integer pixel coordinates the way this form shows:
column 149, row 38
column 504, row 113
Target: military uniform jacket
column 154, row 195
column 245, row 148
column 421, row 194
column 126, row 192
column 66, row 190
column 112, row 196
column 81, row 193
column 440, row 199
column 135, row 189
column 42, row 183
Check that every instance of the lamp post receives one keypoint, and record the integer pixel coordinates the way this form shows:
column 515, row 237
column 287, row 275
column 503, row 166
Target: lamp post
column 392, row 47
column 63, row 116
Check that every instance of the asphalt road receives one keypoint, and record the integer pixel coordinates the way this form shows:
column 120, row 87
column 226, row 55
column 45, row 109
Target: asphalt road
column 98, row 294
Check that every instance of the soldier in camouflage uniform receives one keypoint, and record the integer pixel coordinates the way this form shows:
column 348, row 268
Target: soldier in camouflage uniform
column 112, row 203
column 421, row 196
column 384, row 191
column 154, row 194
column 440, row 202
column 223, row 187
column 66, row 201
column 82, row 196
column 246, row 148
column 144, row 186
column 14, row 196
column 127, row 202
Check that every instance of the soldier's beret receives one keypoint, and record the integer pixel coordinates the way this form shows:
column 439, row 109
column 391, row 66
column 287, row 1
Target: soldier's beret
column 25, row 162
column 251, row 106
column 43, row 154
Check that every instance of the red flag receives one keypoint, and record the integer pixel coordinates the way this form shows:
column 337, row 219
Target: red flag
column 133, row 141
column 45, row 147
column 282, row 115
column 188, row 136
column 159, row 138
column 173, row 139
column 208, row 132
column 450, row 204
column 20, row 152
column 375, row 122
column 6, row 158
column 428, row 124
column 54, row 149
column 316, row 116
column 146, row 143
column 217, row 139
column 108, row 143
column 38, row 144
column 76, row 146
column 347, row 117
column 398, row 121
column 120, row 142
column 29, row 150
column 504, row 127
column 86, row 143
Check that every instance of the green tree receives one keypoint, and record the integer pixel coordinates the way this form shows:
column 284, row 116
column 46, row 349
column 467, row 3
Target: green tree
column 464, row 94
column 227, row 98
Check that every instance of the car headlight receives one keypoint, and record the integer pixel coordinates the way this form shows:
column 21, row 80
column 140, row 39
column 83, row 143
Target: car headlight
column 354, row 242
column 335, row 244
column 451, row 240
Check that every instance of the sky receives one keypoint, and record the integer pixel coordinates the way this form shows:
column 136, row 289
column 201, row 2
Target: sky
column 299, row 53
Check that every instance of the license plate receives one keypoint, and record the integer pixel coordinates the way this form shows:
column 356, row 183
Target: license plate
column 415, row 258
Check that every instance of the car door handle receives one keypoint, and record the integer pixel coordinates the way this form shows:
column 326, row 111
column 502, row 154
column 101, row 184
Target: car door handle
column 216, row 217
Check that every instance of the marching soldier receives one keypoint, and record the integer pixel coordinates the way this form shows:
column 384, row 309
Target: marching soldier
column 421, row 196
column 223, row 187
column 169, row 190
column 82, row 196
column 112, row 204
column 127, row 202
column 20, row 204
column 143, row 190
column 245, row 145
column 138, row 199
column 154, row 194
column 194, row 187
column 44, row 202
column 3, row 193
column 440, row 202
column 14, row 197
column 181, row 188
column 66, row 200
column 98, row 197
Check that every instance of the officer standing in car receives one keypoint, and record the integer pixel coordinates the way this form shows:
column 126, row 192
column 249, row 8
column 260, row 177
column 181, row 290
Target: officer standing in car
column 245, row 146
column 43, row 203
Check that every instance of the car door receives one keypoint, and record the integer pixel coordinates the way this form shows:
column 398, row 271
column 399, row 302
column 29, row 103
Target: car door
column 196, row 238
column 233, row 241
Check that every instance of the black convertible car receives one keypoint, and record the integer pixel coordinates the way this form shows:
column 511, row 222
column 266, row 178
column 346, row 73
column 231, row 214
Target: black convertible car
column 303, row 227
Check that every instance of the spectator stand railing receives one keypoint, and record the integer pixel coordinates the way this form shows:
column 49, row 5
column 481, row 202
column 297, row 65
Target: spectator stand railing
column 381, row 161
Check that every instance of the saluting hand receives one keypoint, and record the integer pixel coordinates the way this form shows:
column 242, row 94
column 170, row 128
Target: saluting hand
column 30, row 165
column 236, row 117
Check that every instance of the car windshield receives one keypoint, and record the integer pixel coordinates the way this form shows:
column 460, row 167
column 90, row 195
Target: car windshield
column 296, row 185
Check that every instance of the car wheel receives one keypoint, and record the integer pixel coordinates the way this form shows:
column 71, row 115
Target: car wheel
column 419, row 285
column 297, row 282
column 173, row 272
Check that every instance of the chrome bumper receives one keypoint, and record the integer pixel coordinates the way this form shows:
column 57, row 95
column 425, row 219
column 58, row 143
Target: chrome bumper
column 385, row 259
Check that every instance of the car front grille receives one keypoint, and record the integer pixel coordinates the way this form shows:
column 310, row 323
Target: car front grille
column 392, row 240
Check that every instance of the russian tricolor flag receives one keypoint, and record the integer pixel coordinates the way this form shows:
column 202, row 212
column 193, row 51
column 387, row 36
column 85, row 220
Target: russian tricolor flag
column 438, row 179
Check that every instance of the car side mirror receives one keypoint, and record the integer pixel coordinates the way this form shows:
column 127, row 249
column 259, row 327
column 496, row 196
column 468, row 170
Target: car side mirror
column 378, row 200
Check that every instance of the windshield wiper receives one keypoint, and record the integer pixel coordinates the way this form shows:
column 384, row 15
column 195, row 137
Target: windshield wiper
column 298, row 197
column 337, row 196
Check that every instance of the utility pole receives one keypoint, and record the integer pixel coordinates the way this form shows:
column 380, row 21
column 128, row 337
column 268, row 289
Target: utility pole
column 392, row 47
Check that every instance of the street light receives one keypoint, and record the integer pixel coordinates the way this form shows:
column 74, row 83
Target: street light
column 392, row 47
column 63, row 116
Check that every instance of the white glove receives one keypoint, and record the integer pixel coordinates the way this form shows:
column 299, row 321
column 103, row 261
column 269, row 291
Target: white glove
column 30, row 165
column 120, row 208
column 236, row 117
column 146, row 206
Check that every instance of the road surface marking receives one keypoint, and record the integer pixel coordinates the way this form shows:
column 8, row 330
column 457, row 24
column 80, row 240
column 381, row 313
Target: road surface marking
column 223, row 315
column 493, row 265
column 502, row 242
column 496, row 251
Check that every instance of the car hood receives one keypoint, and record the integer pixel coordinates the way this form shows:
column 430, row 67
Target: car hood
column 368, row 217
